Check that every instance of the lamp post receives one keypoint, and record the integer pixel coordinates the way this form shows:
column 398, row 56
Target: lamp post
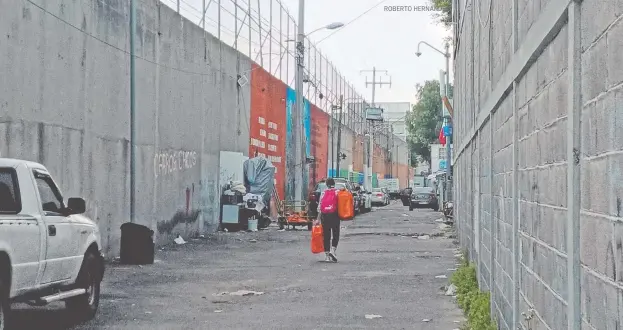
column 295, row 171
column 445, row 88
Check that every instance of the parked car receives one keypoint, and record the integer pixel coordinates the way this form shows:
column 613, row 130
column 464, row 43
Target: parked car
column 314, row 195
column 48, row 251
column 380, row 196
column 424, row 197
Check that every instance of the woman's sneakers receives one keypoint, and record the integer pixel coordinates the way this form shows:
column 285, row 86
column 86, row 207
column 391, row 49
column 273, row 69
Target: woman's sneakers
column 333, row 254
column 330, row 256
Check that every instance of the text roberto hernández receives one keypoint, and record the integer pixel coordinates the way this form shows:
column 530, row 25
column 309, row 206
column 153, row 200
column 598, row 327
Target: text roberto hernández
column 410, row 8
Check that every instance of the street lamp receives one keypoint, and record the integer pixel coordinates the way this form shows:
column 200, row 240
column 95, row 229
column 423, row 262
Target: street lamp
column 295, row 173
column 445, row 91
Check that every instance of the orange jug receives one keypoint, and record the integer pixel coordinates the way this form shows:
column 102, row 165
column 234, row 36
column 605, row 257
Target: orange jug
column 345, row 205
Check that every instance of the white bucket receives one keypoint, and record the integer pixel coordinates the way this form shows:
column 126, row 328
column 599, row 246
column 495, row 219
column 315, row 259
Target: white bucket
column 252, row 225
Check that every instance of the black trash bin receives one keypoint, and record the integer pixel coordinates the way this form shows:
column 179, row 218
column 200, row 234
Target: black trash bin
column 137, row 244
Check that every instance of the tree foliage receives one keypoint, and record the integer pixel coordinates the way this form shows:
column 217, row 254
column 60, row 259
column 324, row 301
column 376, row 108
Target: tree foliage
column 424, row 120
column 444, row 16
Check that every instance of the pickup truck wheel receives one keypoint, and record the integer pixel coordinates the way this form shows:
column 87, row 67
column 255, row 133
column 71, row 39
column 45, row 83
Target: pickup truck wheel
column 85, row 306
column 4, row 306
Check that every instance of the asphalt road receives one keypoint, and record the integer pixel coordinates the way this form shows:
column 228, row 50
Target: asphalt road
column 384, row 270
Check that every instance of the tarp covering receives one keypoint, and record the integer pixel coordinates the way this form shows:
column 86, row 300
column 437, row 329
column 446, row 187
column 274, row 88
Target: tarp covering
column 259, row 176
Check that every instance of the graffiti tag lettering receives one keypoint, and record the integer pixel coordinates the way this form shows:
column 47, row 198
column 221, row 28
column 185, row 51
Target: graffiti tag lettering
column 167, row 163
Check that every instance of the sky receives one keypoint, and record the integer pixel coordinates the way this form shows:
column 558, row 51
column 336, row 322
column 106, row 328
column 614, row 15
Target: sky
column 383, row 39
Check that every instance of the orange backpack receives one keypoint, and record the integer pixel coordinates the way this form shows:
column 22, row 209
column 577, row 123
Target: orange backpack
column 345, row 206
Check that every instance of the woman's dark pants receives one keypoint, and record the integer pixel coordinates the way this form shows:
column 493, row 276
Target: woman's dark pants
column 330, row 226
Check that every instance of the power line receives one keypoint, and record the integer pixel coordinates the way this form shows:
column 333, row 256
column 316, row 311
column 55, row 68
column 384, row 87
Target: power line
column 353, row 20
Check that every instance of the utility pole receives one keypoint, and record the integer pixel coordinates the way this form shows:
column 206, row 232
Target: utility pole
column 408, row 165
column 332, row 129
column 339, row 138
column 444, row 86
column 295, row 168
column 370, row 159
column 449, row 122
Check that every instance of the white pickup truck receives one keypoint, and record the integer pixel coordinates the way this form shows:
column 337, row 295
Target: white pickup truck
column 48, row 251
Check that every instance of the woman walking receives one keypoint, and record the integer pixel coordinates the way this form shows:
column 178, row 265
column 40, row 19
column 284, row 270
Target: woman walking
column 327, row 211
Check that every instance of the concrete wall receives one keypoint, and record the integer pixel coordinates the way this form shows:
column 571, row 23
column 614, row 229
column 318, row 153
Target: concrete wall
column 512, row 215
column 268, row 122
column 65, row 103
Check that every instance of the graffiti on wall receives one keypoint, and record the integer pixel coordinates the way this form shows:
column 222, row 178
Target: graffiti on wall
column 290, row 106
column 170, row 162
column 187, row 216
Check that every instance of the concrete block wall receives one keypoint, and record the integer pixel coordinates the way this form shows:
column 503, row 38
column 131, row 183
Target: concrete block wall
column 511, row 172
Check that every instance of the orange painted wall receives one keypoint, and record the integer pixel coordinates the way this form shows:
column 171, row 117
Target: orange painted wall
column 379, row 164
column 267, row 122
column 319, row 142
column 402, row 173
column 358, row 153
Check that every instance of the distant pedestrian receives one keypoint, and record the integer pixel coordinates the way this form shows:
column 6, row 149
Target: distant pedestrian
column 327, row 211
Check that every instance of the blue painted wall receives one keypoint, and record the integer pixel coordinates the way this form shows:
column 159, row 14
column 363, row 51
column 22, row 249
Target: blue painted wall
column 290, row 106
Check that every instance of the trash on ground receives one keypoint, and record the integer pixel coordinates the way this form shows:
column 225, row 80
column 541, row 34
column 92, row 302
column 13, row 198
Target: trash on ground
column 443, row 226
column 179, row 240
column 226, row 230
column 439, row 220
column 241, row 293
column 451, row 290
column 373, row 316
column 441, row 276
column 424, row 237
column 253, row 241
column 405, row 215
column 426, row 320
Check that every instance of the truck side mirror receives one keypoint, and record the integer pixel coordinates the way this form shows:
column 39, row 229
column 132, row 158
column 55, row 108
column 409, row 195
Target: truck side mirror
column 76, row 205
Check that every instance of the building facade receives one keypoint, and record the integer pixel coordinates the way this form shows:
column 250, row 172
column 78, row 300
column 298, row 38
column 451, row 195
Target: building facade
column 395, row 114
column 438, row 157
